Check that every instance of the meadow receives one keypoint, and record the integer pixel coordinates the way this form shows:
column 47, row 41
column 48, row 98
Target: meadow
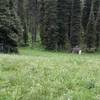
column 35, row 74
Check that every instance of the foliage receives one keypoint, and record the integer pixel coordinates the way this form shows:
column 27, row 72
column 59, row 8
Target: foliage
column 75, row 23
column 96, row 6
column 49, row 25
column 86, row 13
column 61, row 24
column 10, row 28
column 98, row 30
column 91, row 33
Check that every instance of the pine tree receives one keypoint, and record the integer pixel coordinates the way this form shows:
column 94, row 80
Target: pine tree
column 63, row 22
column 98, row 30
column 75, row 23
column 33, row 19
column 91, row 33
column 86, row 13
column 10, row 28
column 42, row 20
column 49, row 36
column 96, row 5
column 22, row 13
column 96, row 9
column 42, row 9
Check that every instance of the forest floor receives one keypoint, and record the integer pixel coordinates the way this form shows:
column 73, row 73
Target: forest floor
column 42, row 75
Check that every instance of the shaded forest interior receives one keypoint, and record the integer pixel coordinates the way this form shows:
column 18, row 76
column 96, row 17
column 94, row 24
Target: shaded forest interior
column 56, row 24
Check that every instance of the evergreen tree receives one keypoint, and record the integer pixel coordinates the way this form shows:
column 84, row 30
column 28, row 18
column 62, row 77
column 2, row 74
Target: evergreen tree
column 96, row 15
column 42, row 20
column 63, row 22
column 98, row 30
column 49, row 36
column 96, row 6
column 75, row 23
column 91, row 33
column 10, row 28
column 22, row 13
column 86, row 13
column 33, row 18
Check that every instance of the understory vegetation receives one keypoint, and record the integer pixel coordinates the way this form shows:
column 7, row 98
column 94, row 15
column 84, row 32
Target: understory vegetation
column 42, row 75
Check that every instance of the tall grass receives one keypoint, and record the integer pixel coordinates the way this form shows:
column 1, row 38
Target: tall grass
column 42, row 75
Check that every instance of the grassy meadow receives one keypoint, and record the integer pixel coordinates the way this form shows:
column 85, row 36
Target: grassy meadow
column 42, row 75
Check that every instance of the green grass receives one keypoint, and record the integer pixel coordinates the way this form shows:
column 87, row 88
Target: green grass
column 42, row 75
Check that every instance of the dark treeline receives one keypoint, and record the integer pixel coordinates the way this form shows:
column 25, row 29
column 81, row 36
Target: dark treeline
column 61, row 24
column 69, row 23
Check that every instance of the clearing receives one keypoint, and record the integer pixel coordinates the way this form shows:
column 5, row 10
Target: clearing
column 41, row 75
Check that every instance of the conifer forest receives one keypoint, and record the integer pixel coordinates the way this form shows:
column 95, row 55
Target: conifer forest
column 56, row 24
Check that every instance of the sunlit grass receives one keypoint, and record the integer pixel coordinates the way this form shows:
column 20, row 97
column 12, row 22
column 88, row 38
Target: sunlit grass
column 42, row 75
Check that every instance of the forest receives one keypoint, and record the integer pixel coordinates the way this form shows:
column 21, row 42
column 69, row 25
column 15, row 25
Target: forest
column 49, row 49
column 58, row 25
